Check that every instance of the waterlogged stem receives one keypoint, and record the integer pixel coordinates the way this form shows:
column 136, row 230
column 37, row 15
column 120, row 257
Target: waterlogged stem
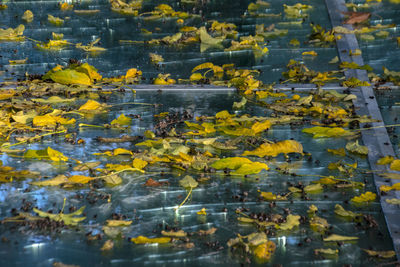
column 186, row 198
column 34, row 137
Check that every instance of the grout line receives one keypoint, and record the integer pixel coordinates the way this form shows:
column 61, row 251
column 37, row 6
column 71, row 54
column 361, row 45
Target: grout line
column 377, row 140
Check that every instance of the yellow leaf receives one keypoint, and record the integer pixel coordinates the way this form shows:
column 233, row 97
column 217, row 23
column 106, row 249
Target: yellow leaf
column 188, row 182
column 267, row 149
column 196, row 77
column 381, row 254
column 264, row 251
column 163, row 79
column 51, row 121
column 179, row 233
column 291, row 222
column 117, row 223
column 231, row 163
column 90, row 105
column 339, row 151
column 70, row 76
column 132, row 73
column 109, row 244
column 310, row 53
column 112, row 180
column 335, row 238
column 319, row 224
column 326, row 251
column 319, row 132
column 18, row 61
column 54, row 20
column 58, row 180
column 202, row 212
column 207, row 65
column 395, row 165
column 139, row 163
column 354, row 147
column 366, row 197
column 122, row 120
column 313, row 188
column 145, row 240
column 28, row 16
column 11, row 34
column 269, row 196
column 53, row 100
column 394, row 201
column 68, row 219
column 121, row 151
column 90, row 71
column 385, row 160
column 250, row 168
column 80, row 179
column 339, row 210
column 47, row 153
column 386, row 188
column 259, row 127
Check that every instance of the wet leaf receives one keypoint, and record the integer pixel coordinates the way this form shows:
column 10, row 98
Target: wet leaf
column 231, row 163
column 339, row 151
column 49, row 120
column 118, row 223
column 68, row 219
column 313, row 188
column 291, row 222
column 336, row 238
column 56, row 181
column 250, row 168
column 395, row 165
column 108, row 245
column 188, row 182
column 55, row 20
column 53, row 100
column 265, row 251
column 172, row 233
column 326, row 251
column 11, row 34
column 386, row 188
column 122, row 120
column 48, row 153
column 322, row 132
column 202, row 212
column 272, row 197
column 339, row 210
column 394, row 201
column 145, row 240
column 385, row 160
column 310, row 53
column 70, row 76
column 27, row 16
column 268, row 149
column 354, row 147
column 381, row 254
column 364, row 198
column 357, row 17
column 319, row 224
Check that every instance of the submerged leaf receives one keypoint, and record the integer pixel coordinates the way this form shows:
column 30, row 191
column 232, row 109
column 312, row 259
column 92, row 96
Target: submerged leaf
column 363, row 198
column 291, row 222
column 335, row 238
column 145, row 240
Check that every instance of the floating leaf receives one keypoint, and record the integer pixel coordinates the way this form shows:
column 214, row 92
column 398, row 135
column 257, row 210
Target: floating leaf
column 49, row 120
column 70, row 76
column 139, row 163
column 395, row 165
column 381, row 254
column 11, row 34
column 394, row 201
column 386, row 188
column 354, row 147
column 265, row 251
column 202, row 212
column 145, row 240
column 339, row 210
column 68, row 219
column 385, row 160
column 366, row 197
column 47, row 153
column 122, row 120
column 291, row 222
column 108, row 245
column 54, row 20
column 27, row 16
column 267, row 149
column 272, row 197
column 319, row 132
column 188, row 182
column 171, row 233
column 336, row 238
column 112, row 180
column 326, row 251
column 250, row 168
column 118, row 223
column 339, row 151
column 310, row 53
column 231, row 163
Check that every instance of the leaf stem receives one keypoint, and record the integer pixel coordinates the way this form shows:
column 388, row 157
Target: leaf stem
column 183, row 202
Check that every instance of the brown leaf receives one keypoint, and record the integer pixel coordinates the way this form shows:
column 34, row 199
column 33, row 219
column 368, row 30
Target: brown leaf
column 151, row 182
column 357, row 17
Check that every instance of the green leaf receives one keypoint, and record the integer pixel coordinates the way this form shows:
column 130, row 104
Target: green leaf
column 354, row 147
column 188, row 182
column 339, row 210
